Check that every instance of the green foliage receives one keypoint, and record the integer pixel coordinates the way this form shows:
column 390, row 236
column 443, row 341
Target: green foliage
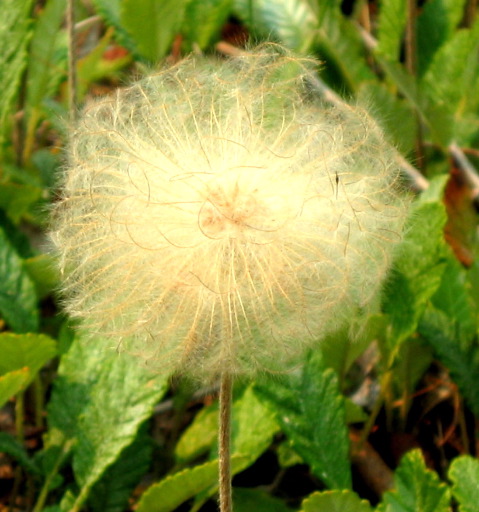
column 100, row 441
column 464, row 474
column 416, row 489
column 335, row 501
column 15, row 33
column 310, row 410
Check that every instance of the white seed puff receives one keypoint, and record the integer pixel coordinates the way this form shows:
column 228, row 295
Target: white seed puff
column 216, row 217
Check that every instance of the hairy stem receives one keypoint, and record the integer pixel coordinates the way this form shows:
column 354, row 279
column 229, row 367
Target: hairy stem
column 224, row 441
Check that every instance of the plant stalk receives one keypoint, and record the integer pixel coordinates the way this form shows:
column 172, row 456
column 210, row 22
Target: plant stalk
column 224, row 443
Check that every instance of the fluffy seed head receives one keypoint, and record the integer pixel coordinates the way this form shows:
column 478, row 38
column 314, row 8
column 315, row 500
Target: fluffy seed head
column 215, row 217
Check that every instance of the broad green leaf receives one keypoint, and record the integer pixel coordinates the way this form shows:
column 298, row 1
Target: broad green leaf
column 291, row 22
column 46, row 65
column 311, row 412
column 335, row 501
column 248, row 500
column 462, row 358
column 15, row 34
column 436, row 22
column 30, row 351
column 464, row 474
column 22, row 357
column 18, row 301
column 112, row 492
column 17, row 198
column 101, row 402
column 454, row 297
column 44, row 274
column 174, row 490
column 198, row 438
column 253, row 426
column 417, row 271
column 152, row 25
column 416, row 488
column 12, row 383
column 204, row 20
column 10, row 445
column 391, row 25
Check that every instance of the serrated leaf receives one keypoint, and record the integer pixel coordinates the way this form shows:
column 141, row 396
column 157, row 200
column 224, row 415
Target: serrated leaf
column 15, row 35
column 204, row 20
column 111, row 493
column 247, row 500
column 30, row 351
column 416, row 488
column 417, row 271
column 101, row 402
column 152, row 25
column 335, row 501
column 174, row 490
column 18, row 301
column 110, row 11
column 45, row 66
column 464, row 474
column 12, row 383
column 291, row 22
column 10, row 445
column 462, row 359
column 310, row 411
column 391, row 25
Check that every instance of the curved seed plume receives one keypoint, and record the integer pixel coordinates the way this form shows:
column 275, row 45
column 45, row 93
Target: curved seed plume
column 216, row 218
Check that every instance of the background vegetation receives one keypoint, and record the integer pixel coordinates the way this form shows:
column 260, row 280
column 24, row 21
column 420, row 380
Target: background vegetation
column 389, row 423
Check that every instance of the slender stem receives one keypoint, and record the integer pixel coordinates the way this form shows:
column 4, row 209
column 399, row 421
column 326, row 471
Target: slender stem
column 224, row 441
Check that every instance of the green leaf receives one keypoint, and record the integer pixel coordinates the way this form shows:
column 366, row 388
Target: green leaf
column 12, row 383
column 204, row 20
column 110, row 11
column 393, row 114
column 17, row 198
column 111, row 493
column 464, row 474
column 152, row 25
column 10, row 445
column 335, row 501
column 417, row 271
column 311, row 412
column 462, row 358
column 101, row 402
column 15, row 35
column 22, row 357
column 247, row 500
column 18, row 301
column 435, row 24
column 392, row 22
column 416, row 488
column 291, row 22
column 46, row 65
column 198, row 438
column 30, row 351
column 174, row 490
